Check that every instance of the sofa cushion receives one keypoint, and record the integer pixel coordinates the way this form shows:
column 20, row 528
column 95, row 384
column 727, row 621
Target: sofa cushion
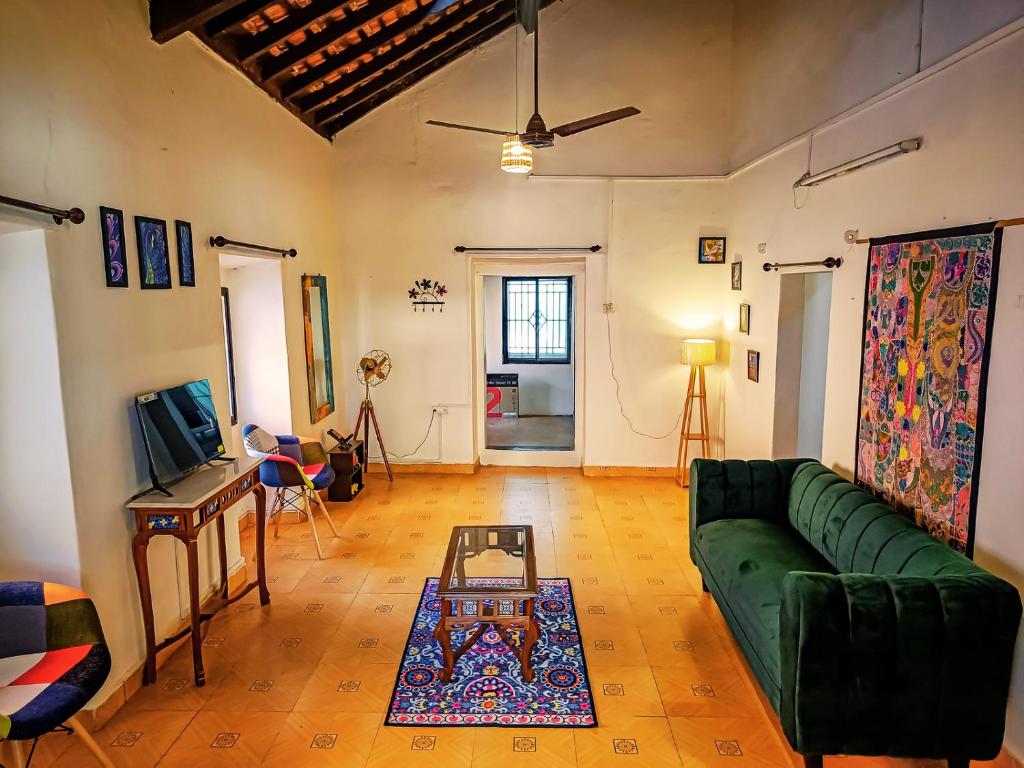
column 857, row 533
column 747, row 561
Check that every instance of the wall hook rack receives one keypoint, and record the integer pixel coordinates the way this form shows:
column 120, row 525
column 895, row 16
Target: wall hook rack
column 831, row 262
column 59, row 215
column 219, row 241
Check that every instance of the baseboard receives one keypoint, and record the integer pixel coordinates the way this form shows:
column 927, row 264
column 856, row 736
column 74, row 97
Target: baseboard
column 605, row 471
column 426, row 469
column 96, row 717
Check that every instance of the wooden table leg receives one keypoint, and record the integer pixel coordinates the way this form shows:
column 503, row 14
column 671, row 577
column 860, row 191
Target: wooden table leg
column 530, row 637
column 192, row 551
column 442, row 636
column 140, row 550
column 261, row 540
column 222, row 550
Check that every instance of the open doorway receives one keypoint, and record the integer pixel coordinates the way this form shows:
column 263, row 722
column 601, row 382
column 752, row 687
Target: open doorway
column 256, row 356
column 805, row 302
column 528, row 363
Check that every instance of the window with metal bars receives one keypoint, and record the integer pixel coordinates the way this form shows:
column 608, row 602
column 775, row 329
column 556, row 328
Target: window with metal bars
column 536, row 324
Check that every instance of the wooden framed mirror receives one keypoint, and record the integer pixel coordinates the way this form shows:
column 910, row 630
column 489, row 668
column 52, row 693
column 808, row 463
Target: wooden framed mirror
column 319, row 371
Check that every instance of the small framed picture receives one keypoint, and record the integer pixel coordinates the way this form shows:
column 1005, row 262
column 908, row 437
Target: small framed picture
column 711, row 250
column 154, row 258
column 115, row 258
column 753, row 365
column 186, row 257
column 745, row 318
column 737, row 275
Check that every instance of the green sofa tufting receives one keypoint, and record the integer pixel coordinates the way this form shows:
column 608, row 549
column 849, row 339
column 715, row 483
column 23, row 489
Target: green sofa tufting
column 868, row 636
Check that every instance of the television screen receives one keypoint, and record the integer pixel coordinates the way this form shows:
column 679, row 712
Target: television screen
column 179, row 426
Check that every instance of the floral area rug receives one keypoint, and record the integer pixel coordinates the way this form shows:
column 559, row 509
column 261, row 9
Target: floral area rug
column 487, row 687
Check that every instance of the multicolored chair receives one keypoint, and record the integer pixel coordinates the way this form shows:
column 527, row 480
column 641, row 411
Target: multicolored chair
column 53, row 659
column 292, row 462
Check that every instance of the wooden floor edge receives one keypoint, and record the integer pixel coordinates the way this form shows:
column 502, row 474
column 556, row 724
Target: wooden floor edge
column 95, row 717
column 593, row 470
column 426, row 469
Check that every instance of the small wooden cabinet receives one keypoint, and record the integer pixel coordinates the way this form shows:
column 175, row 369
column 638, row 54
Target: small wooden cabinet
column 347, row 463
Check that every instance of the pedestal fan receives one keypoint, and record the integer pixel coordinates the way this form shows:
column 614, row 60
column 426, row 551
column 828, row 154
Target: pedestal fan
column 374, row 368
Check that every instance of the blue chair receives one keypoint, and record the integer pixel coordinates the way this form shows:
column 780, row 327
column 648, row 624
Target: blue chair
column 53, row 659
column 292, row 463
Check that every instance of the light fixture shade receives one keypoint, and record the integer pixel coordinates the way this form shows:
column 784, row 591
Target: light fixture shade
column 698, row 352
column 516, row 157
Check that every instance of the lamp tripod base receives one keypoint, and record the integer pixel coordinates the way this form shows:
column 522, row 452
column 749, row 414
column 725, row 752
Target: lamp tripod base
column 366, row 415
column 693, row 392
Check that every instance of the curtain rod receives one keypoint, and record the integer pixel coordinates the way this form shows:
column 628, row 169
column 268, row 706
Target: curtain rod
column 219, row 241
column 523, row 249
column 74, row 215
column 1002, row 223
column 831, row 263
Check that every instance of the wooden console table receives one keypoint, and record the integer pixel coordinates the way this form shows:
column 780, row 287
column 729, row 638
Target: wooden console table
column 199, row 499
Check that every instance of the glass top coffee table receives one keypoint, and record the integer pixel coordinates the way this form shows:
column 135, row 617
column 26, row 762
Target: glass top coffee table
column 489, row 579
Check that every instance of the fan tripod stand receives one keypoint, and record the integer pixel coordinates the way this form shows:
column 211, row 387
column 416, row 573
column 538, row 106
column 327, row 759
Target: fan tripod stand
column 366, row 415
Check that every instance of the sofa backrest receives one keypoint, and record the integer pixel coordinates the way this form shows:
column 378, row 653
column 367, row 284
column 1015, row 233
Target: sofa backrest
column 858, row 533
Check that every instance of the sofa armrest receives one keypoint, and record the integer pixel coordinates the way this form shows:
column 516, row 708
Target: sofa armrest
column 896, row 665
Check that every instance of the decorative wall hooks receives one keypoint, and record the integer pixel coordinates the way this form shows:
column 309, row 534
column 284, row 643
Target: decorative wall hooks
column 427, row 293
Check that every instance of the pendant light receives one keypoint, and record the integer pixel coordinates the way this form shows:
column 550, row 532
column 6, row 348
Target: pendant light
column 516, row 157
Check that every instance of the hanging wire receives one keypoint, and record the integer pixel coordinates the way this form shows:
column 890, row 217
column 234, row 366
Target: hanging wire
column 515, row 41
column 618, row 395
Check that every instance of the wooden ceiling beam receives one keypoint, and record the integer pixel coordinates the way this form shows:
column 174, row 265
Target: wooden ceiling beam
column 252, row 47
column 427, row 36
column 334, row 33
column 170, row 18
column 335, row 116
column 218, row 25
column 300, row 83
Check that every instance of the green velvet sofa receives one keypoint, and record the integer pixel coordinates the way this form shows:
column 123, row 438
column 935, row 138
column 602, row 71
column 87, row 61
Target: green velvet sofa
column 867, row 635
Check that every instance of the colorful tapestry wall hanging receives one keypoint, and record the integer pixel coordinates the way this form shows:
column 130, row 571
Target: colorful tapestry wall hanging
column 929, row 307
column 487, row 688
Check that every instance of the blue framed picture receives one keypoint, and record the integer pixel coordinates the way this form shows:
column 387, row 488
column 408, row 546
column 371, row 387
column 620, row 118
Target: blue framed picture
column 186, row 257
column 154, row 257
column 115, row 257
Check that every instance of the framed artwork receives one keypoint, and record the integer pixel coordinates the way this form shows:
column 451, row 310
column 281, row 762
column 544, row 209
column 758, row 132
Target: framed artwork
column 186, row 257
column 745, row 318
column 154, row 258
column 711, row 250
column 753, row 365
column 115, row 258
column 737, row 275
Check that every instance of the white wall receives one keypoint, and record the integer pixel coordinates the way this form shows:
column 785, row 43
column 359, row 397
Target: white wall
column 39, row 539
column 817, row 307
column 970, row 169
column 95, row 113
column 451, row 193
column 544, row 390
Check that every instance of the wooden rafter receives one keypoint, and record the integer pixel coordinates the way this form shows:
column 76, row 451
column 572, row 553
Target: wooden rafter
column 335, row 64
column 333, row 34
column 330, row 62
column 428, row 36
column 170, row 18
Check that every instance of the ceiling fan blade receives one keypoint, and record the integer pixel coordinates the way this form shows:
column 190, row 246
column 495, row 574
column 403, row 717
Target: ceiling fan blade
column 594, row 122
column 470, row 128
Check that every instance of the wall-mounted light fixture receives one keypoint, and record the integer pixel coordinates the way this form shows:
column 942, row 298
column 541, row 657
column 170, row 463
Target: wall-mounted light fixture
column 893, row 150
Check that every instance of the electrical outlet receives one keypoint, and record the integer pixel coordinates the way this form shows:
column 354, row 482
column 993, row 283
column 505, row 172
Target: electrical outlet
column 608, row 308
column 441, row 410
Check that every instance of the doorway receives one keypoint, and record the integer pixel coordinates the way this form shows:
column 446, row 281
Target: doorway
column 528, row 362
column 256, row 355
column 805, row 303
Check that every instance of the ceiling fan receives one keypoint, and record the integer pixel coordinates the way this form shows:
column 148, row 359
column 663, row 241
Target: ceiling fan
column 537, row 135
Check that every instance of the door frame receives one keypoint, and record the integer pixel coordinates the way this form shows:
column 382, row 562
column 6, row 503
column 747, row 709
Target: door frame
column 555, row 266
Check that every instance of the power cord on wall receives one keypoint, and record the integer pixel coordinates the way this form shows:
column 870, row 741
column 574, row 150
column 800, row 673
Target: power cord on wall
column 618, row 395
column 433, row 415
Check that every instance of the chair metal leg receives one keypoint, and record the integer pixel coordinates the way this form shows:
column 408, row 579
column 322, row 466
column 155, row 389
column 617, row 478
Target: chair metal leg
column 323, row 508
column 90, row 743
column 312, row 524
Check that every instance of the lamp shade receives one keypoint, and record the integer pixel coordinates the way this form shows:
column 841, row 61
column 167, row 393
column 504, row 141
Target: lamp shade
column 516, row 157
column 698, row 352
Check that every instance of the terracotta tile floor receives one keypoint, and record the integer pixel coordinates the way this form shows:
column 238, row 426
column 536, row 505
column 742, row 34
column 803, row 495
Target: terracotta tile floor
column 306, row 680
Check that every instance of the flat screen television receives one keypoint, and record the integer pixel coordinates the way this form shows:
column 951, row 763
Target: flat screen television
column 180, row 430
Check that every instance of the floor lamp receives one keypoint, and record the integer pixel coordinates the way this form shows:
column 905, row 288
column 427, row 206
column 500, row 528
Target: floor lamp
column 697, row 353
